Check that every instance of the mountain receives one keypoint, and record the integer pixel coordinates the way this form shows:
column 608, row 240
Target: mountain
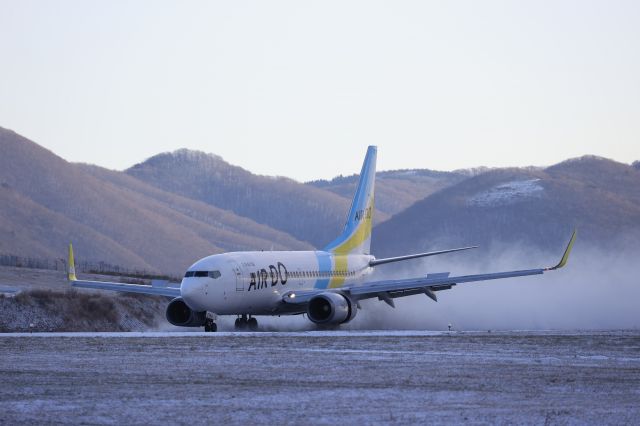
column 46, row 201
column 307, row 213
column 534, row 206
column 174, row 208
column 397, row 189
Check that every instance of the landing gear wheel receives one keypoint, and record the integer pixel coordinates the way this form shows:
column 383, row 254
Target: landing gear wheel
column 241, row 323
column 253, row 324
column 210, row 326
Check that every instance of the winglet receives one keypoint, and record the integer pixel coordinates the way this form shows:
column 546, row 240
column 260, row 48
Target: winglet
column 565, row 256
column 71, row 271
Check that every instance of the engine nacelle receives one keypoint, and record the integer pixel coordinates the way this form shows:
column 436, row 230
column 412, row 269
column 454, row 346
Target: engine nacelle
column 331, row 308
column 178, row 313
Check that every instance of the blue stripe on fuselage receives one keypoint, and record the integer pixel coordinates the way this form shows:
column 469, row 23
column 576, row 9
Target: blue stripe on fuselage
column 324, row 265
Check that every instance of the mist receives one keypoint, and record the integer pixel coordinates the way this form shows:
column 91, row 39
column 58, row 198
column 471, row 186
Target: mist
column 596, row 290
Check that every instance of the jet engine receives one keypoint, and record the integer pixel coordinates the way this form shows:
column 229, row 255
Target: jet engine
column 178, row 313
column 331, row 308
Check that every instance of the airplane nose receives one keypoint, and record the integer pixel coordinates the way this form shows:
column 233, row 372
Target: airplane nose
column 192, row 292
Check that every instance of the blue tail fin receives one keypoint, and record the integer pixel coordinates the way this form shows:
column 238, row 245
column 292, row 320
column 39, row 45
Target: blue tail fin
column 356, row 237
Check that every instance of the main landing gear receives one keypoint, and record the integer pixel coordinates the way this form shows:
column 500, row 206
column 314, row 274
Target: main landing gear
column 244, row 322
column 210, row 325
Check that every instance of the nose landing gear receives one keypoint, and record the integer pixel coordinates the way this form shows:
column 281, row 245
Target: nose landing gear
column 244, row 322
column 210, row 323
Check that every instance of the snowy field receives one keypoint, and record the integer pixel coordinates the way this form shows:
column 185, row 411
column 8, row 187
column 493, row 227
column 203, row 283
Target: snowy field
column 321, row 378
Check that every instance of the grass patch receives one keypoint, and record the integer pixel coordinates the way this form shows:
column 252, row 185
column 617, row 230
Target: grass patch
column 72, row 310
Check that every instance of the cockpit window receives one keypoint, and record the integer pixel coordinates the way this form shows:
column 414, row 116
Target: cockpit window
column 210, row 274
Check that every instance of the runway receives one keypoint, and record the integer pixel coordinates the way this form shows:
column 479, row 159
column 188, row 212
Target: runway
column 321, row 377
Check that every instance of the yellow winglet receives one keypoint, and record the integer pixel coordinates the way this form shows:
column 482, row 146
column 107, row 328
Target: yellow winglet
column 71, row 271
column 565, row 256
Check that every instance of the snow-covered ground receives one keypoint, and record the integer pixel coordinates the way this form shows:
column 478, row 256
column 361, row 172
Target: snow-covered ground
column 507, row 193
column 350, row 377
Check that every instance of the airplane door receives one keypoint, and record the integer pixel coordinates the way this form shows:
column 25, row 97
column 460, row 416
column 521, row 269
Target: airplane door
column 238, row 273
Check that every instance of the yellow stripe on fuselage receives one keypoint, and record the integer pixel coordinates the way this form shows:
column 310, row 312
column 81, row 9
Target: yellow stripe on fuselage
column 340, row 265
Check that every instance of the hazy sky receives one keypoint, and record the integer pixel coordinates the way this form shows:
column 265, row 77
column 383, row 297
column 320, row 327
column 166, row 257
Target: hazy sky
column 300, row 89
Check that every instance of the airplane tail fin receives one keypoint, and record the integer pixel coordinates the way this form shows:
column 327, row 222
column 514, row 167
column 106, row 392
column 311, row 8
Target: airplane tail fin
column 356, row 236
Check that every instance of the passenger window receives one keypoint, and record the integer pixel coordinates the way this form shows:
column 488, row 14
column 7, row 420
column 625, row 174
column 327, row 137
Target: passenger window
column 214, row 274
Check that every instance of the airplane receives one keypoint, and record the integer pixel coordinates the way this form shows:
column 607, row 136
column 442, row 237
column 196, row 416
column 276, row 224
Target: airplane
column 325, row 285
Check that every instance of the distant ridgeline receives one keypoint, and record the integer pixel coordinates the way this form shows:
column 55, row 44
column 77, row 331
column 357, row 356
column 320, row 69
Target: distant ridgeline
column 88, row 267
column 398, row 174
column 162, row 214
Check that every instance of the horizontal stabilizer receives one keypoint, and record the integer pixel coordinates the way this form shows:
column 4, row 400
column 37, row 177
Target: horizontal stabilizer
column 376, row 262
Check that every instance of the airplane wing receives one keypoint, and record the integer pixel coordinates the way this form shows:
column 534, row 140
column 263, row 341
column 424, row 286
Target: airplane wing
column 128, row 288
column 158, row 290
column 387, row 290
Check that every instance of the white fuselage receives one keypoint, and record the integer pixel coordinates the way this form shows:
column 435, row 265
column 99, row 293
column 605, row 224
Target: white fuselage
column 253, row 282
